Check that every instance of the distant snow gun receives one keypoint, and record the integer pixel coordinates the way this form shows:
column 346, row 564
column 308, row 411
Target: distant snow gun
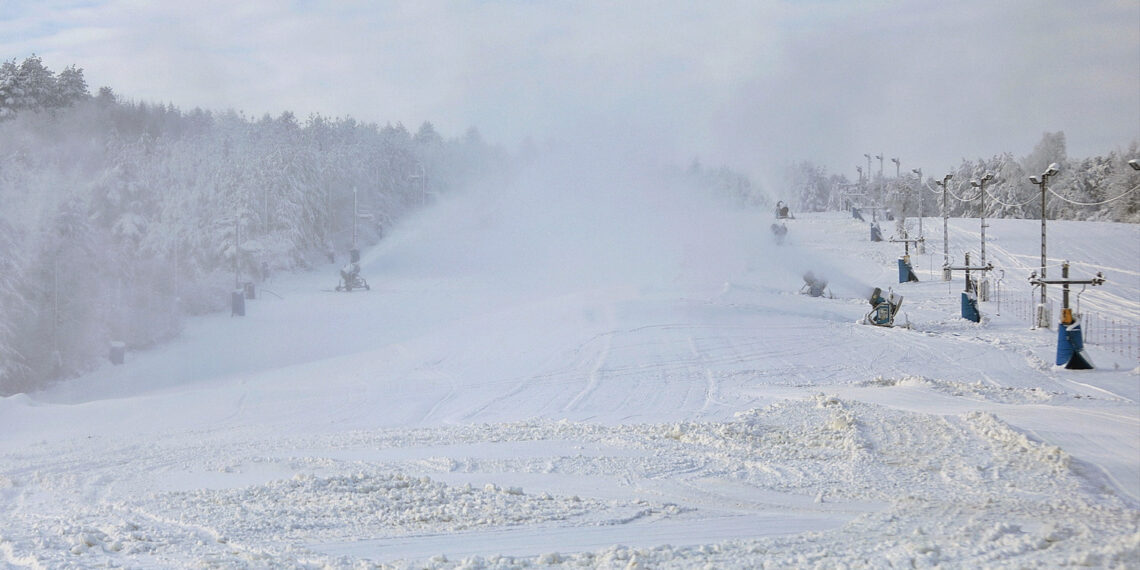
column 883, row 309
column 970, row 310
column 779, row 232
column 815, row 286
column 906, row 270
column 1070, row 342
column 782, row 212
column 876, row 232
column 857, row 213
column 350, row 274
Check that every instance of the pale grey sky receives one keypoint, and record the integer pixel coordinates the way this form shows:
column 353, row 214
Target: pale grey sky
column 753, row 84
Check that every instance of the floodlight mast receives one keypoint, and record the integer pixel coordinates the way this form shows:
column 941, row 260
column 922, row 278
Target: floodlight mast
column 945, row 232
column 918, row 171
column 981, row 186
column 882, row 190
column 1042, row 317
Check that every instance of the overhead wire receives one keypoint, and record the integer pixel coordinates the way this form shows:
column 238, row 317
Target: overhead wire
column 1071, row 201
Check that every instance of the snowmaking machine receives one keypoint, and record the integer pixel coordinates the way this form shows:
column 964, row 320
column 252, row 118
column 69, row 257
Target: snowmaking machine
column 782, row 212
column 876, row 232
column 970, row 310
column 1070, row 342
column 906, row 270
column 814, row 285
column 883, row 309
column 350, row 274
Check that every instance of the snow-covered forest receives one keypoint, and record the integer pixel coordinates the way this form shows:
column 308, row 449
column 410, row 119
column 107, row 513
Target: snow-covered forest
column 1101, row 188
column 119, row 217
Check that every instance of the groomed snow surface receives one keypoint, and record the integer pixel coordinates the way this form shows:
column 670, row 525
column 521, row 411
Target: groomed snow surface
column 601, row 373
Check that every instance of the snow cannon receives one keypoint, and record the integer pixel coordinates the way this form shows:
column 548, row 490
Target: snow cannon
column 1070, row 342
column 883, row 309
column 814, row 285
column 782, row 212
column 970, row 310
column 857, row 214
column 779, row 232
column 905, row 271
column 876, row 233
column 350, row 274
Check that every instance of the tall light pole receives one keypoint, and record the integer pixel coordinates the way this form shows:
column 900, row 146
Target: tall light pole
column 1042, row 318
column 881, row 191
column 945, row 232
column 981, row 186
column 355, row 215
column 422, row 177
column 918, row 171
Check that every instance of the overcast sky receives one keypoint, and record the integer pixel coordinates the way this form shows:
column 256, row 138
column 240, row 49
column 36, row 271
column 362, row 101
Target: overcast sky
column 753, row 84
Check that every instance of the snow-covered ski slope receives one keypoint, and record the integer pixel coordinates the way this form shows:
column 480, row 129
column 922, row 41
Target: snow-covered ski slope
column 578, row 372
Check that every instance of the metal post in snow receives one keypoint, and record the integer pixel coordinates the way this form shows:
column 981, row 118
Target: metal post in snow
column 1043, row 318
column 945, row 232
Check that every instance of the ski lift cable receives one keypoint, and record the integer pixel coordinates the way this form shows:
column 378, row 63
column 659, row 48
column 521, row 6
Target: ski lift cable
column 1051, row 191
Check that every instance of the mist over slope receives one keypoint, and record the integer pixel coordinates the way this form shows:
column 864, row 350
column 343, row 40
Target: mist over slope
column 564, row 222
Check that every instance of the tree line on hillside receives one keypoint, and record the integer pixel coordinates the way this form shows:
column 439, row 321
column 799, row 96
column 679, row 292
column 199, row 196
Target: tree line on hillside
column 120, row 218
column 117, row 218
column 1103, row 188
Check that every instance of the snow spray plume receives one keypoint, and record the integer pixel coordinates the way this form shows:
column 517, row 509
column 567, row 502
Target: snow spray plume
column 579, row 218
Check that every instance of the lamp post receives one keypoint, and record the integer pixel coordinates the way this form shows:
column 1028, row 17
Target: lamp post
column 921, row 211
column 355, row 215
column 880, row 157
column 981, row 186
column 945, row 232
column 1042, row 317
column 422, row 176
column 897, row 163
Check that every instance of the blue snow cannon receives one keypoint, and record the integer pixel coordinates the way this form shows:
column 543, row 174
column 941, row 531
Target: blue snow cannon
column 970, row 310
column 1070, row 343
column 906, row 272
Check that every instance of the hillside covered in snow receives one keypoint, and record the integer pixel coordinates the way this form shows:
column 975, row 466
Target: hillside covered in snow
column 578, row 371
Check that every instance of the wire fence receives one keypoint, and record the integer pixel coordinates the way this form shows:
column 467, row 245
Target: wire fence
column 1106, row 332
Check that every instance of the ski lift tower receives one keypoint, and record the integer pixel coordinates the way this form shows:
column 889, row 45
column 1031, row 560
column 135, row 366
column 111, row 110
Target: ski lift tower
column 970, row 292
column 1070, row 344
column 906, row 271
